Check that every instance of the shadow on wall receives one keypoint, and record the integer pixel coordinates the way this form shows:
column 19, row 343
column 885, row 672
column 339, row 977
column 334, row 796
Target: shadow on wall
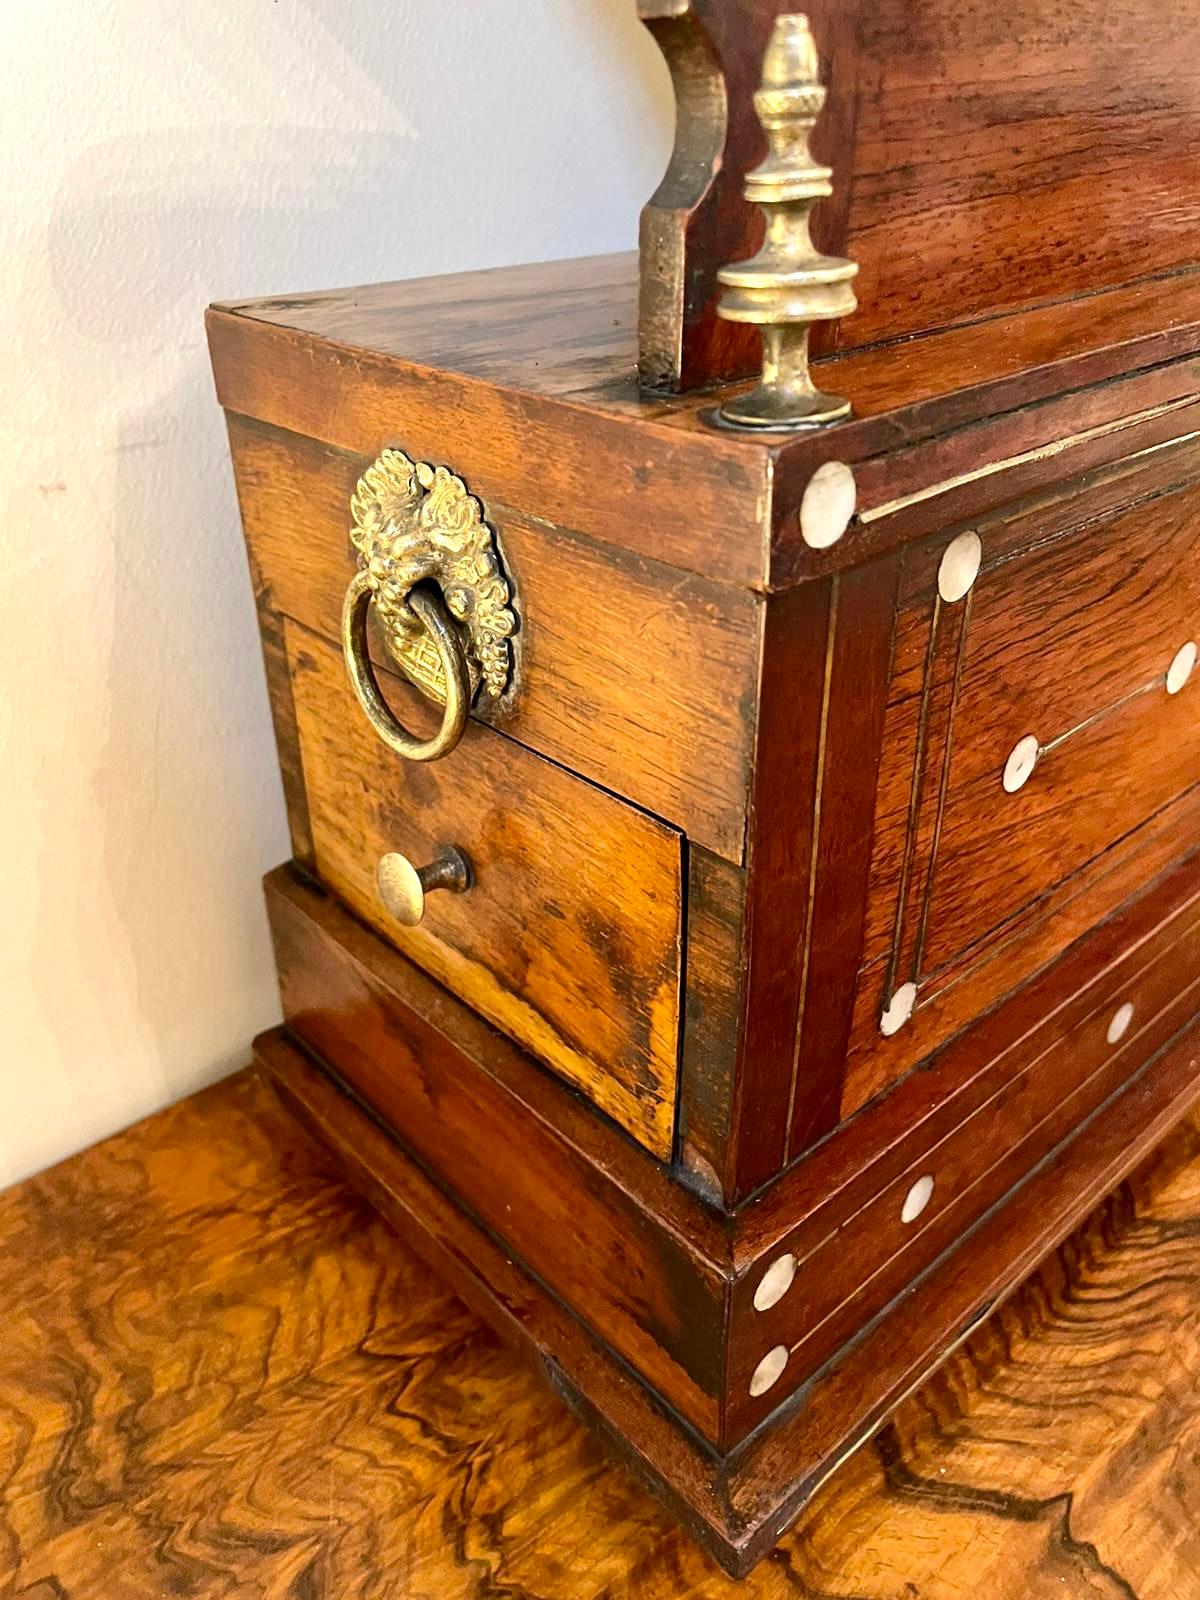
column 162, row 891
column 464, row 136
column 596, row 116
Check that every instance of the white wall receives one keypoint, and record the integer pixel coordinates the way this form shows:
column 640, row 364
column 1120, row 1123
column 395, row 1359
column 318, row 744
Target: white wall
column 156, row 155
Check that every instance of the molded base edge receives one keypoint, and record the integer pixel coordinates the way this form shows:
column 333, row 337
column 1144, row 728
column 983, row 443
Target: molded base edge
column 739, row 1505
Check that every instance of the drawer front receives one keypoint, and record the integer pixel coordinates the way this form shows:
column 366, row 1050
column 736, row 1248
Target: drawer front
column 636, row 675
column 844, row 1266
column 1068, row 646
column 1071, row 648
column 569, row 938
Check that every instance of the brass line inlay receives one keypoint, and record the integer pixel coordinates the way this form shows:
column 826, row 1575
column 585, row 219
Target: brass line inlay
column 919, row 780
column 1127, row 469
column 916, row 791
column 830, row 640
column 1098, row 716
column 947, row 753
column 1044, row 452
column 787, row 1240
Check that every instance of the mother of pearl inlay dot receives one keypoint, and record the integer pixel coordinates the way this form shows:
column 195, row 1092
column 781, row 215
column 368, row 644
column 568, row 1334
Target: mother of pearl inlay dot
column 1119, row 1026
column 775, row 1282
column 767, row 1372
column 1181, row 667
column 959, row 567
column 899, row 1009
column 917, row 1198
column 828, row 505
column 1022, row 759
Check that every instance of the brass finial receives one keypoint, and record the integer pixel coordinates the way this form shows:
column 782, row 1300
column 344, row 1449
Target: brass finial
column 788, row 285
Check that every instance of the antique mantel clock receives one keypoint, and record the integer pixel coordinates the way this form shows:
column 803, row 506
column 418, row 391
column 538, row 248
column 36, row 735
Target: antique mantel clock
column 739, row 724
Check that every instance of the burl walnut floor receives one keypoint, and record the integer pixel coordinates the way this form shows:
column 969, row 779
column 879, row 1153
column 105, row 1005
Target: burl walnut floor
column 222, row 1375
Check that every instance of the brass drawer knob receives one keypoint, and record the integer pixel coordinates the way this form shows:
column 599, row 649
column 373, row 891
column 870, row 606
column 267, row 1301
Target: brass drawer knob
column 403, row 887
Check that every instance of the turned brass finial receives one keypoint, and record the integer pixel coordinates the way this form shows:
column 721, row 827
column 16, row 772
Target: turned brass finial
column 788, row 285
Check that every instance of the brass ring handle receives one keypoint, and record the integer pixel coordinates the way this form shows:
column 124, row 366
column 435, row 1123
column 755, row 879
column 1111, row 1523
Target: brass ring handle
column 442, row 631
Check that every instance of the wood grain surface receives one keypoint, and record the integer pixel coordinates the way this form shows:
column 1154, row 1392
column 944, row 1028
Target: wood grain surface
column 635, row 533
column 569, row 937
column 1083, row 599
column 982, row 160
column 587, row 1213
column 652, row 476
column 223, row 1375
column 628, row 672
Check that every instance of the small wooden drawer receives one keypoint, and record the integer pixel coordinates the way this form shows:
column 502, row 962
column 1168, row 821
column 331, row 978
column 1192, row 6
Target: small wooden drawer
column 1069, row 649
column 569, row 938
column 1040, row 755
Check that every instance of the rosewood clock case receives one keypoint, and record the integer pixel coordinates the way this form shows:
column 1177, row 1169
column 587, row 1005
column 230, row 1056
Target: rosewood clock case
column 801, row 930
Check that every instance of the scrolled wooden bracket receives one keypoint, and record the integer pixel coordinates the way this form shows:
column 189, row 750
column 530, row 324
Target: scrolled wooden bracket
column 698, row 219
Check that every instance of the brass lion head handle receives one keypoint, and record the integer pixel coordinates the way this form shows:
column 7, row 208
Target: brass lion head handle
column 428, row 563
